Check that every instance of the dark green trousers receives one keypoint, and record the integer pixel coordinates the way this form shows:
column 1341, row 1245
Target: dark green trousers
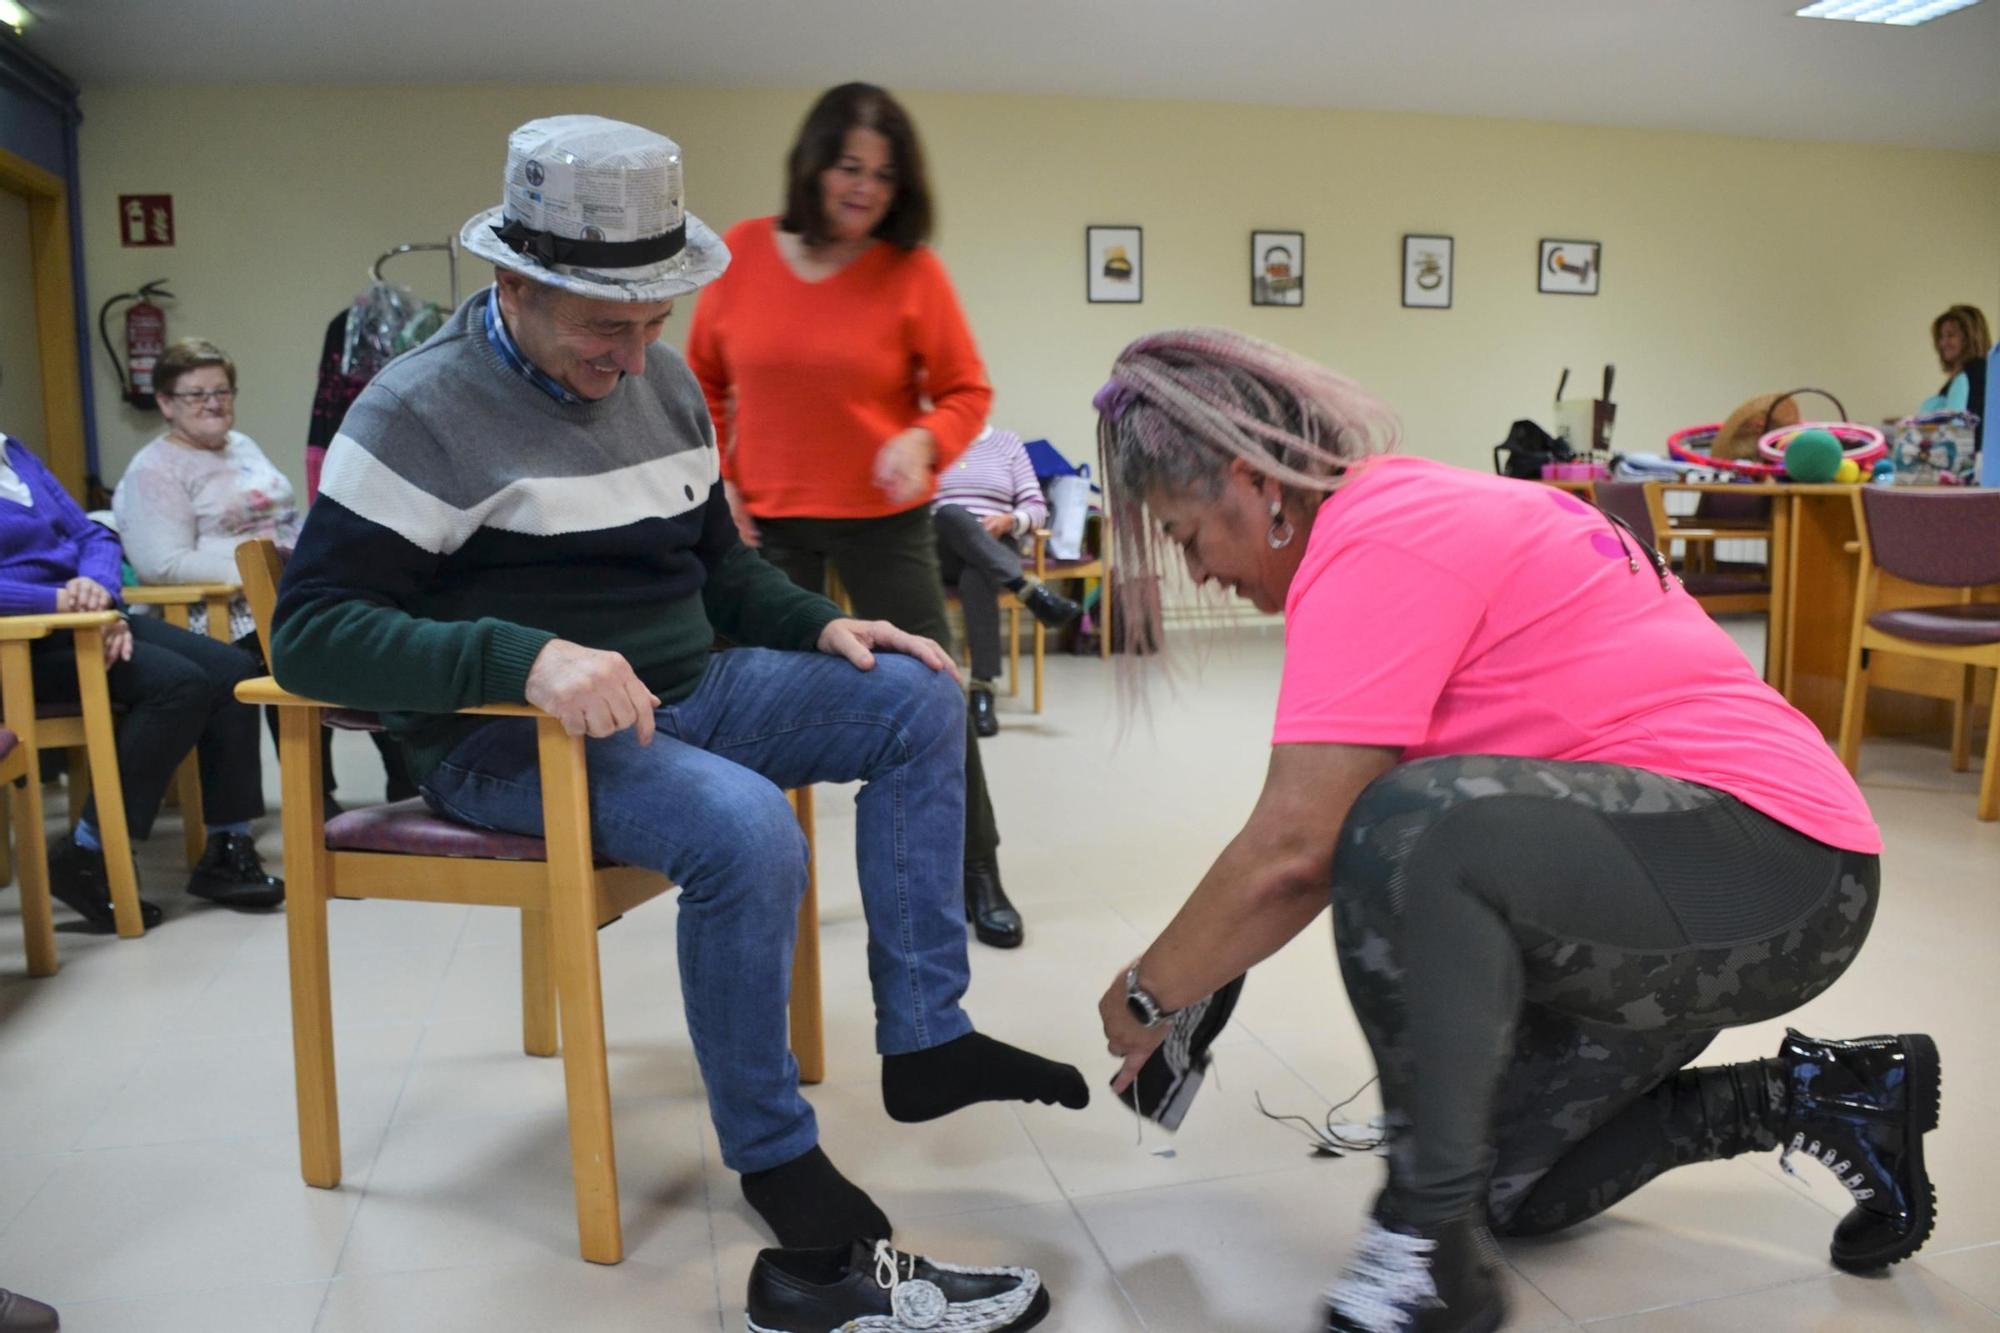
column 889, row 567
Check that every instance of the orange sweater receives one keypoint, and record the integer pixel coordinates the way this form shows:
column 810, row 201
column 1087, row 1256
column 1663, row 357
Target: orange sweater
column 806, row 380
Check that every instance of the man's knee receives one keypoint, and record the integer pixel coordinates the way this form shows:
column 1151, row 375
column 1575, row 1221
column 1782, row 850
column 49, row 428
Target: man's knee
column 758, row 845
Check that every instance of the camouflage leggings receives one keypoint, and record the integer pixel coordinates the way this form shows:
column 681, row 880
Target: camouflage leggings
column 1531, row 946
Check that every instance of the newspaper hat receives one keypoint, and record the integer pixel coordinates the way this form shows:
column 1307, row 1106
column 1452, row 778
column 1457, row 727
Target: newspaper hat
column 593, row 206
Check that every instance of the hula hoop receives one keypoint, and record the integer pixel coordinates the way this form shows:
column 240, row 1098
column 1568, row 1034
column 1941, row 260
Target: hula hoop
column 1682, row 444
column 1860, row 445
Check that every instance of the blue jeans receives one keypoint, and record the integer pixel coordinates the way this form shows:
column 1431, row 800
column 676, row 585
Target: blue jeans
column 705, row 805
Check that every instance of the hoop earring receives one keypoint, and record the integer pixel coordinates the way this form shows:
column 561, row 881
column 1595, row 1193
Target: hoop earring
column 1281, row 533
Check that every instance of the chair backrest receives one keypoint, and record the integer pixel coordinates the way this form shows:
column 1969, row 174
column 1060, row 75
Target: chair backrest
column 261, row 564
column 1946, row 538
column 1725, row 507
column 1626, row 500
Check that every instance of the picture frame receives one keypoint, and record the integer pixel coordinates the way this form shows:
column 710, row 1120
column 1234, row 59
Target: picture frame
column 1114, row 264
column 1427, row 271
column 1569, row 268
column 1278, row 268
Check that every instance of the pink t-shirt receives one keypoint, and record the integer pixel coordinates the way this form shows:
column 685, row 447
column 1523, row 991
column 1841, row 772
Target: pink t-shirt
column 1450, row 612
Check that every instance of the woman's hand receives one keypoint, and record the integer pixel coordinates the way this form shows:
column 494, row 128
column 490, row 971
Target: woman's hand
column 1000, row 526
column 117, row 644
column 856, row 641
column 746, row 526
column 903, row 465
column 1125, row 1036
column 83, row 594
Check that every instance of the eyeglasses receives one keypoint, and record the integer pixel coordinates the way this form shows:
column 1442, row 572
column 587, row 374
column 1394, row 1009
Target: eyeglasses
column 205, row 396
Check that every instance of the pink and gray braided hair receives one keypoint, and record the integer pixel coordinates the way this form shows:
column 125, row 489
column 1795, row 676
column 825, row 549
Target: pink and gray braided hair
column 1181, row 405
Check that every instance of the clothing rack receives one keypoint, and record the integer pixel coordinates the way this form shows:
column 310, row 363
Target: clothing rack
column 449, row 247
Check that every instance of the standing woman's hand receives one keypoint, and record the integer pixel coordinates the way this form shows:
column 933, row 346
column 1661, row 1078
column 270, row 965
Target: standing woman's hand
column 903, row 465
column 746, row 526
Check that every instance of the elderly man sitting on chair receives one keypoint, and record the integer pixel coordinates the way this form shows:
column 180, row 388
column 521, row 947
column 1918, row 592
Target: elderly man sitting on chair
column 529, row 507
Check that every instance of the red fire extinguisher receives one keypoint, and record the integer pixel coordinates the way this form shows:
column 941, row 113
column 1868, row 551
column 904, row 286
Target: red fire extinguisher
column 145, row 340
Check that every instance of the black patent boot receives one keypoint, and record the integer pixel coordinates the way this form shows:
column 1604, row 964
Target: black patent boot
column 994, row 918
column 1410, row 1279
column 1862, row 1108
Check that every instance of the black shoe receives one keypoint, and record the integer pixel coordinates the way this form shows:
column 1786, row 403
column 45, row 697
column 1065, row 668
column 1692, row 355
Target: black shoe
column 1173, row 1073
column 1409, row 1279
column 979, row 699
column 866, row 1285
column 994, row 919
column 77, row 880
column 1051, row 608
column 1862, row 1109
column 231, row 874
column 18, row 1314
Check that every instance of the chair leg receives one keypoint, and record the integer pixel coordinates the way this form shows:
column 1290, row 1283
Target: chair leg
column 76, row 783
column 1854, row 707
column 31, row 859
column 102, row 742
column 1041, row 660
column 194, row 833
column 1989, row 778
column 1961, row 720
column 307, row 876
column 538, row 985
column 808, row 1016
column 1014, row 650
column 579, row 992
column 6, row 842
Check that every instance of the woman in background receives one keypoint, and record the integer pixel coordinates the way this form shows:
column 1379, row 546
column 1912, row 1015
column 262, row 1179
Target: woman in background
column 842, row 376
column 1962, row 340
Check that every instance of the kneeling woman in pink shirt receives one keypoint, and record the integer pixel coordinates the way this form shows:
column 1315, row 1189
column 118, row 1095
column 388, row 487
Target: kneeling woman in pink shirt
column 1567, row 833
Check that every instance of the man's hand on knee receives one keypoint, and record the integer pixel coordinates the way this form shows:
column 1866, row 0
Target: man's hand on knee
column 591, row 693
column 855, row 640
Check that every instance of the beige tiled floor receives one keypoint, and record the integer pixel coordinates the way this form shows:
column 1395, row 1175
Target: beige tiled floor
column 148, row 1179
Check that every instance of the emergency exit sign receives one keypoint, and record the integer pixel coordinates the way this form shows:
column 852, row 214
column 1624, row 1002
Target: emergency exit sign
column 145, row 219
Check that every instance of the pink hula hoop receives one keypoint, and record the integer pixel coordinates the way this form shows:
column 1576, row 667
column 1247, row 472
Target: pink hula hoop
column 1681, row 445
column 1860, row 445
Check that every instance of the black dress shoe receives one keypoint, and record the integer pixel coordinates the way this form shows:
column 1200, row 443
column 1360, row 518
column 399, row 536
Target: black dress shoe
column 979, row 699
column 1051, row 608
column 78, row 881
column 994, row 919
column 231, row 874
column 18, row 1314
column 874, row 1286
column 1862, row 1109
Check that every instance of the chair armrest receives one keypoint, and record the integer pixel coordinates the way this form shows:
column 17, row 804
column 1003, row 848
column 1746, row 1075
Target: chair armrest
column 40, row 627
column 177, row 594
column 266, row 690
column 1718, row 534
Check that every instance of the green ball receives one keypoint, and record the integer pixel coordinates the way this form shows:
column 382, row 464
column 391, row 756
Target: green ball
column 1813, row 456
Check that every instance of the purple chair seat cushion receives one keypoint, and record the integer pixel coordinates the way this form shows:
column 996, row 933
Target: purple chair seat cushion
column 1962, row 624
column 408, row 828
column 1725, row 585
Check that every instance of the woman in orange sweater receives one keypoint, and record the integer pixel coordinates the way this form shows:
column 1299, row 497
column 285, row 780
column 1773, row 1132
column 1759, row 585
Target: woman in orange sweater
column 841, row 376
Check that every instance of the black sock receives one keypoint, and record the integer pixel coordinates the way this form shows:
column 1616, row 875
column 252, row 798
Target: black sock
column 924, row 1085
column 808, row 1204
column 1015, row 585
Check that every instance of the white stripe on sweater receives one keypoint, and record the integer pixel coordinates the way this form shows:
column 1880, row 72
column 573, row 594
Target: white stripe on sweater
column 533, row 506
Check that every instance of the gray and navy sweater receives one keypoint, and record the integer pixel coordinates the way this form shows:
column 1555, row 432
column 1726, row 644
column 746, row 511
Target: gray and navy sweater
column 466, row 517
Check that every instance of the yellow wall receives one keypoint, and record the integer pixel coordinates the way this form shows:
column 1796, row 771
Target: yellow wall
column 1731, row 266
column 20, row 362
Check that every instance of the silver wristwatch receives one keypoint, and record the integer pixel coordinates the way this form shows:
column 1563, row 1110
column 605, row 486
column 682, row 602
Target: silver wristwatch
column 1145, row 1010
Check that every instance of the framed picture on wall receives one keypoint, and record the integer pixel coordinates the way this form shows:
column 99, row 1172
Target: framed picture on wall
column 1114, row 264
column 1569, row 268
column 1278, row 268
column 1427, row 272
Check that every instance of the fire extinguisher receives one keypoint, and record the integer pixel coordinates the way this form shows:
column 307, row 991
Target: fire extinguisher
column 145, row 340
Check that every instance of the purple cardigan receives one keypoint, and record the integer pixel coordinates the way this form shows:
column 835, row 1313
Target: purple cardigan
column 44, row 547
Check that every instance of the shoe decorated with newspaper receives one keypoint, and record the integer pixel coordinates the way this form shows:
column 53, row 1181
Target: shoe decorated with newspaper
column 875, row 1288
column 1173, row 1074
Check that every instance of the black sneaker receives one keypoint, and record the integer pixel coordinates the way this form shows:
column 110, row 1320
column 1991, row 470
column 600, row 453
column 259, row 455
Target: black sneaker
column 876, row 1287
column 78, row 881
column 1408, row 1279
column 1051, row 608
column 979, row 702
column 1861, row 1109
column 231, row 874
column 1173, row 1074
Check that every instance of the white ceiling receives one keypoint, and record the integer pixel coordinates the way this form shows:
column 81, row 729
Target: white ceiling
column 1729, row 66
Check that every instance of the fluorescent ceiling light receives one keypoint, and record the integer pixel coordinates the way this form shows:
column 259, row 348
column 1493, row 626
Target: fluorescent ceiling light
column 1901, row 13
column 12, row 15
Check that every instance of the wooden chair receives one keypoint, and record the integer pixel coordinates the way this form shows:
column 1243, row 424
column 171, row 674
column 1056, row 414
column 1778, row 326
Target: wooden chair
column 37, row 915
column 1095, row 563
column 86, row 724
column 1643, row 507
column 563, row 892
column 1945, row 539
